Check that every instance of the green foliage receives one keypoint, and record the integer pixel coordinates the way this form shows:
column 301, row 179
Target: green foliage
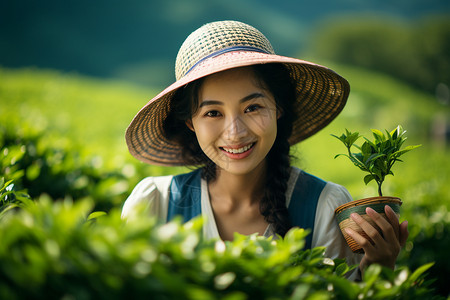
column 61, row 250
column 10, row 199
column 45, row 165
column 428, row 212
column 417, row 53
column 376, row 157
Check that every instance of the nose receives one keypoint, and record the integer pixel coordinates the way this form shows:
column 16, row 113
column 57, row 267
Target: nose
column 236, row 129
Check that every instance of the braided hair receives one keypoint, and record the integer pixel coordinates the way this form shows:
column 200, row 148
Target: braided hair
column 276, row 79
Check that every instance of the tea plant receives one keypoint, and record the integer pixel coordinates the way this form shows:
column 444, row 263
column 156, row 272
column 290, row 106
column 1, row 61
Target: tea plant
column 378, row 156
column 42, row 164
column 60, row 250
column 10, row 199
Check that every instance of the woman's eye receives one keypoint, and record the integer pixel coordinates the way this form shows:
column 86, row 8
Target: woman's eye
column 253, row 107
column 212, row 114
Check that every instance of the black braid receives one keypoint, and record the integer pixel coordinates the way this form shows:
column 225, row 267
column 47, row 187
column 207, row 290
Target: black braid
column 273, row 205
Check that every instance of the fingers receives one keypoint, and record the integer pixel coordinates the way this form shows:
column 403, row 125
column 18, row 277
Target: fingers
column 371, row 232
column 404, row 233
column 389, row 232
column 393, row 219
column 380, row 247
column 362, row 241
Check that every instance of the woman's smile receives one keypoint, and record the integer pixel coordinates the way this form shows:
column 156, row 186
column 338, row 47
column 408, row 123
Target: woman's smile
column 236, row 121
column 238, row 152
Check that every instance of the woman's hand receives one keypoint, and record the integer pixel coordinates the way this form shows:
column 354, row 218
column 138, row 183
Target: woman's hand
column 385, row 247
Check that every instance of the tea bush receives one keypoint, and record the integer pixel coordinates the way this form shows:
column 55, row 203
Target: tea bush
column 60, row 250
column 45, row 165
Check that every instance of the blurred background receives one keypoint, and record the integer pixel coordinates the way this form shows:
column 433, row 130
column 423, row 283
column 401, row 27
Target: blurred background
column 139, row 40
column 74, row 73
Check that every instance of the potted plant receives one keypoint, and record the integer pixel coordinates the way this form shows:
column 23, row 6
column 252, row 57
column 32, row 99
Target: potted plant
column 376, row 158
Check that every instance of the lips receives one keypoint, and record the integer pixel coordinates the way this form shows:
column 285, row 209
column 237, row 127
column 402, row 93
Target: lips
column 238, row 150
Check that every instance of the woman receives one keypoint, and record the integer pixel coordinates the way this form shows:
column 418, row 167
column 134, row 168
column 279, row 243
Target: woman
column 234, row 111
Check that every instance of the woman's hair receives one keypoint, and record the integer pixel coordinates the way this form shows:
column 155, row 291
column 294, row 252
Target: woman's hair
column 276, row 79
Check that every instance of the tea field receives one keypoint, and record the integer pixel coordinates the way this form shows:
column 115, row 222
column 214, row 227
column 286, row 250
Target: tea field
column 63, row 136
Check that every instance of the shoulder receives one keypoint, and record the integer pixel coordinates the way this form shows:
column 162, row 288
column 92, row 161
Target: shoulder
column 329, row 193
column 298, row 176
column 150, row 185
column 304, row 185
column 146, row 193
column 334, row 195
column 153, row 194
column 158, row 184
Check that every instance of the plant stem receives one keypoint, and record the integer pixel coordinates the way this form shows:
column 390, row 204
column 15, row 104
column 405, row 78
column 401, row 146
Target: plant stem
column 379, row 189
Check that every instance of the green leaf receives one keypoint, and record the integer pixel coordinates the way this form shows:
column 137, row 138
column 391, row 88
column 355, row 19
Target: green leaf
column 7, row 208
column 378, row 135
column 348, row 138
column 33, row 171
column 357, row 162
column 373, row 145
column 397, row 132
column 378, row 172
column 224, row 280
column 406, row 149
column 342, row 269
column 337, row 155
column 359, row 157
column 368, row 178
column 366, row 149
column 341, row 138
column 419, row 271
column 353, row 138
column 373, row 157
column 95, row 215
column 371, row 274
column 5, row 185
column 301, row 291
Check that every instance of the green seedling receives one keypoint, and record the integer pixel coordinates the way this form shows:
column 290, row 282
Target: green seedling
column 378, row 156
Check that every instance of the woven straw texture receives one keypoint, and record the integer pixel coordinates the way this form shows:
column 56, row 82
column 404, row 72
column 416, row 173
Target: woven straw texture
column 359, row 206
column 220, row 46
column 214, row 37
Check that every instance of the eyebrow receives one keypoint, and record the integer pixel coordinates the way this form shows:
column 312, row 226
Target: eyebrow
column 245, row 99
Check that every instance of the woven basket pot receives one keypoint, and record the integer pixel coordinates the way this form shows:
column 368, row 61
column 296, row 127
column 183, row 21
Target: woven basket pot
column 343, row 212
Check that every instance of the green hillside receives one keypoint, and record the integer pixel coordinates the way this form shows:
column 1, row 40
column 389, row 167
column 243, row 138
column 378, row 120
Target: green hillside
column 96, row 113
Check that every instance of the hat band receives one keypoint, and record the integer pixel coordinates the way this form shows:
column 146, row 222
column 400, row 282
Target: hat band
column 225, row 50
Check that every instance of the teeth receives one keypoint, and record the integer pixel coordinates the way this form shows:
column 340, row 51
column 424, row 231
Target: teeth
column 240, row 150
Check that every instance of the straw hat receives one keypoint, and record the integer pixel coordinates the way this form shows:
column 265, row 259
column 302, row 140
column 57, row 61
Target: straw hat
column 220, row 46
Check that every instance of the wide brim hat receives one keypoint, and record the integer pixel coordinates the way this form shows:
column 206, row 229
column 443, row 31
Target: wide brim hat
column 223, row 45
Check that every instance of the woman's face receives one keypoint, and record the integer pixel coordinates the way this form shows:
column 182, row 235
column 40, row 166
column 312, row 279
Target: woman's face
column 236, row 121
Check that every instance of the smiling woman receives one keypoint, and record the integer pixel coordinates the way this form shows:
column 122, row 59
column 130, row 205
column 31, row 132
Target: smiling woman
column 234, row 111
column 236, row 131
column 254, row 114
